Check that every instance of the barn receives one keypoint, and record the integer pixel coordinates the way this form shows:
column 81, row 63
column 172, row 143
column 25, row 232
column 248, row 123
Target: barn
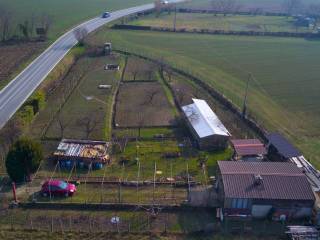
column 206, row 128
column 261, row 189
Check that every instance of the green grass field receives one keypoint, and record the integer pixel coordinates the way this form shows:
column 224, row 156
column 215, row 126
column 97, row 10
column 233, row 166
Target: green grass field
column 284, row 94
column 190, row 21
column 267, row 5
column 65, row 14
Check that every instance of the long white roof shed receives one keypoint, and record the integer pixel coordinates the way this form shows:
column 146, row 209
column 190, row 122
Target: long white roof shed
column 204, row 121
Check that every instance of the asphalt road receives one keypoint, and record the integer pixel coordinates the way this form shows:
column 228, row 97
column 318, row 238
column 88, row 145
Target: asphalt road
column 19, row 89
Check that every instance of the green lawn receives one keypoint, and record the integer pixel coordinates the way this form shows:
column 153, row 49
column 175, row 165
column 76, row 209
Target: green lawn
column 284, row 94
column 65, row 14
column 190, row 21
column 267, row 5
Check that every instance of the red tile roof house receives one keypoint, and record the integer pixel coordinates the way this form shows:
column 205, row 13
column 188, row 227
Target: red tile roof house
column 263, row 189
column 248, row 149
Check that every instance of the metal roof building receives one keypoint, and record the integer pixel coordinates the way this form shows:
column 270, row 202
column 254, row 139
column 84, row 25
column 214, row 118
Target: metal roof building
column 204, row 121
column 205, row 125
column 258, row 188
column 282, row 145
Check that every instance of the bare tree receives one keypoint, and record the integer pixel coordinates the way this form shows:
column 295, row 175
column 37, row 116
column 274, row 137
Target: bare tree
column 12, row 131
column 90, row 124
column 80, row 34
column 45, row 23
column 150, row 71
column 158, row 7
column 24, row 29
column 314, row 10
column 134, row 68
column 225, row 6
column 180, row 96
column 169, row 73
column 5, row 23
column 291, row 6
column 32, row 24
column 63, row 124
column 150, row 96
column 141, row 122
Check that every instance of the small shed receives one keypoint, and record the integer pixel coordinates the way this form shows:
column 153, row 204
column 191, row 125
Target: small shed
column 248, row 149
column 107, row 48
column 280, row 148
column 82, row 153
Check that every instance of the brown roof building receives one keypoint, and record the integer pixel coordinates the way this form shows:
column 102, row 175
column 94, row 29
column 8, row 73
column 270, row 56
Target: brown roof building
column 248, row 149
column 260, row 189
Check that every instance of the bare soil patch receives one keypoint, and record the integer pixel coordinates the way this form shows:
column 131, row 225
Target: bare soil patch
column 12, row 56
column 143, row 105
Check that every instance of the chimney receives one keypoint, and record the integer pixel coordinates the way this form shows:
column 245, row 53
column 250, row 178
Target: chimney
column 258, row 179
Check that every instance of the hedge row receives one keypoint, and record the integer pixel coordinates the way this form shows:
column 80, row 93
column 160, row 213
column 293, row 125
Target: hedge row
column 216, row 32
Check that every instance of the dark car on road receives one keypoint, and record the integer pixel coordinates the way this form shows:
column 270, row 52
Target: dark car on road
column 58, row 188
column 106, row 15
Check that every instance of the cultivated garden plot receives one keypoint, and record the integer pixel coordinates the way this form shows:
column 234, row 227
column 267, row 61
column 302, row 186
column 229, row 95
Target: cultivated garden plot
column 138, row 69
column 143, row 105
column 85, row 111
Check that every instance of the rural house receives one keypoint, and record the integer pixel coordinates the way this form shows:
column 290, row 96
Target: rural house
column 205, row 126
column 248, row 149
column 82, row 153
column 262, row 189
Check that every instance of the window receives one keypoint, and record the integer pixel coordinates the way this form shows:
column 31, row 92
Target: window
column 63, row 185
column 240, row 203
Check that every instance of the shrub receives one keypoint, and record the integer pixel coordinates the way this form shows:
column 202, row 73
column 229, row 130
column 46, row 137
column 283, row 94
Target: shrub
column 23, row 159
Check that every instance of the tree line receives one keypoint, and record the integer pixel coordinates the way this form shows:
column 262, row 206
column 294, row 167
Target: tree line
column 26, row 29
column 288, row 7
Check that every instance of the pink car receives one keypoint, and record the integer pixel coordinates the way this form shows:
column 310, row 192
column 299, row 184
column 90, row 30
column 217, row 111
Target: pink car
column 58, row 188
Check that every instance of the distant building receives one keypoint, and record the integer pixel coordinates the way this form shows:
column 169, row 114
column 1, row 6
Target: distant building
column 82, row 153
column 260, row 189
column 248, row 149
column 205, row 126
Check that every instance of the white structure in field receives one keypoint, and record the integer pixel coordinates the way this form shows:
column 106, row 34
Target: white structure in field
column 205, row 126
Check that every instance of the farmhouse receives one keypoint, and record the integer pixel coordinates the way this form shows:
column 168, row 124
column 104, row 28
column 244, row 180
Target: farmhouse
column 248, row 149
column 261, row 189
column 82, row 152
column 205, row 126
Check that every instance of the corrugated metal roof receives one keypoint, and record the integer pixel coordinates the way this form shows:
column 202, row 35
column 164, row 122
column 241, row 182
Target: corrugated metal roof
column 245, row 147
column 284, row 147
column 279, row 181
column 204, row 121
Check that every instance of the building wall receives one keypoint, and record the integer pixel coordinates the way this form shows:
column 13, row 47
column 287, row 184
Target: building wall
column 261, row 208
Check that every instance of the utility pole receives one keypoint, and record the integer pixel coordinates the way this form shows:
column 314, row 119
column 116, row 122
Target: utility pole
column 175, row 17
column 244, row 108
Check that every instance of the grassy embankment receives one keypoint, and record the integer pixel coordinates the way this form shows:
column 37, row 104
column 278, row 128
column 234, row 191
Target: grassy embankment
column 284, row 94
